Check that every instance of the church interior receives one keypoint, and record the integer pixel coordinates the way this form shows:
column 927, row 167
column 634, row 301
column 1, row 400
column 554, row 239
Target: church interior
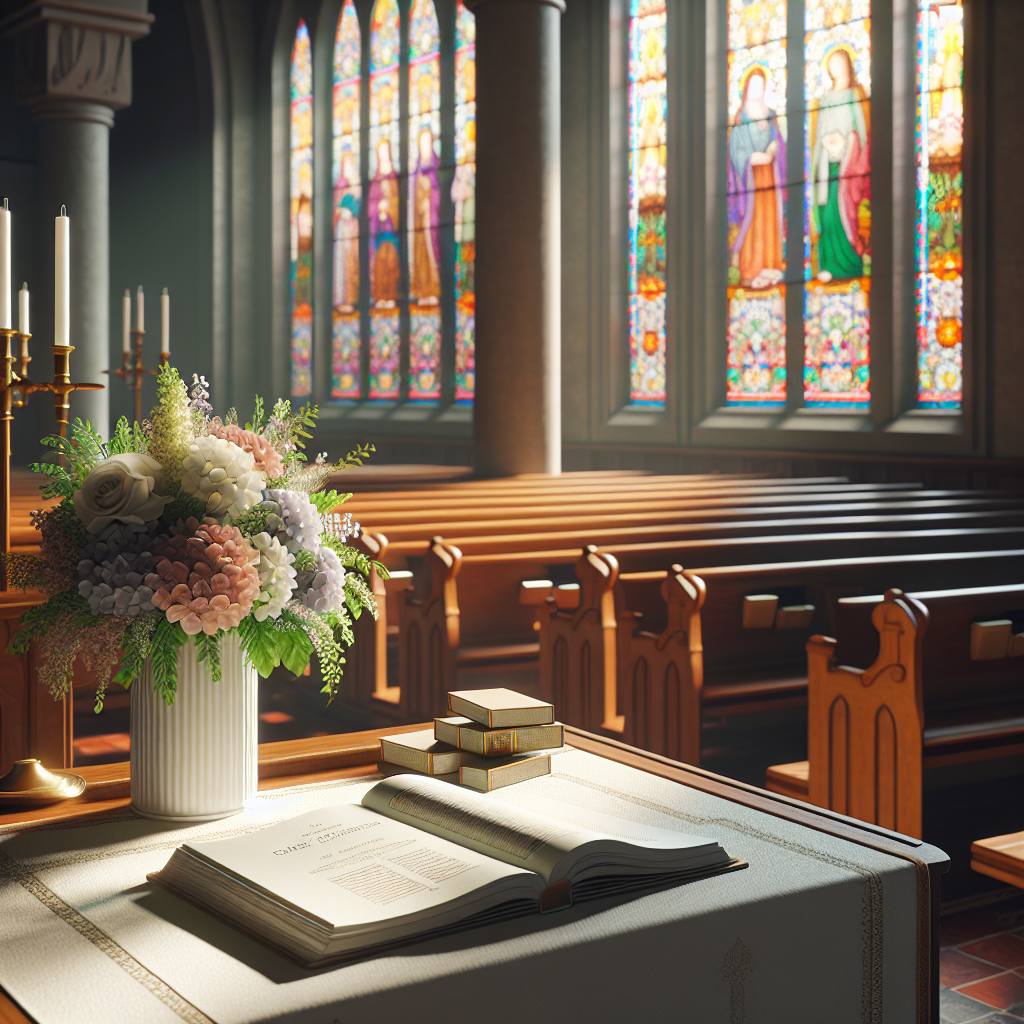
column 662, row 360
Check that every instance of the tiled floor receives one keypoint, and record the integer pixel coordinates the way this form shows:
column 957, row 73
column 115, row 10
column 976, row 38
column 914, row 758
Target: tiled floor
column 982, row 965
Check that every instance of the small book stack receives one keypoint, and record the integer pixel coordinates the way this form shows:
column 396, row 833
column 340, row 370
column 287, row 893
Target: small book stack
column 493, row 738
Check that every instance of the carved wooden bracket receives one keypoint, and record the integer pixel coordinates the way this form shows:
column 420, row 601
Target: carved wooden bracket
column 684, row 595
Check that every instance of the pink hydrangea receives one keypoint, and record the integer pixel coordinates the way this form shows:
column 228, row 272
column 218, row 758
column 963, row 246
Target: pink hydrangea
column 267, row 459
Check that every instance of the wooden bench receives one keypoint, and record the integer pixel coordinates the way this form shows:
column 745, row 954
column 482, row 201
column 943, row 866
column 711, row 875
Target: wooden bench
column 944, row 689
column 1001, row 857
column 730, row 640
column 483, row 610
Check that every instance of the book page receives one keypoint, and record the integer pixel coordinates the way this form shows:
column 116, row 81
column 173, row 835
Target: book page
column 348, row 867
column 552, row 842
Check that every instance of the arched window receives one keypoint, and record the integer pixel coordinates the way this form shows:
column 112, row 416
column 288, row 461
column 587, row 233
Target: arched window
column 939, row 228
column 423, row 214
column 648, row 116
column 384, row 201
column 346, row 335
column 301, row 223
column 464, row 200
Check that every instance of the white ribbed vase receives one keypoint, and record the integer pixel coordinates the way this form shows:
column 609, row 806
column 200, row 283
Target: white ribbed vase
column 195, row 760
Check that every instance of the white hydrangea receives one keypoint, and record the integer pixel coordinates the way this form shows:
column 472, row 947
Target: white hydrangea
column 301, row 519
column 223, row 475
column 326, row 591
column 277, row 577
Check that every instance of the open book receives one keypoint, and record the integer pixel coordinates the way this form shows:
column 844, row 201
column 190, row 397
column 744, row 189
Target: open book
column 417, row 857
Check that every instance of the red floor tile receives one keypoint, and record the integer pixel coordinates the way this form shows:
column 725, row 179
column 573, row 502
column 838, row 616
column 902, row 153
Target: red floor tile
column 93, row 746
column 1003, row 991
column 1006, row 950
column 957, row 969
column 276, row 717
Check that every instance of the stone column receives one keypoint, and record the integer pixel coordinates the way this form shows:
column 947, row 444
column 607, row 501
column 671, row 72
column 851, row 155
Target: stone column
column 73, row 68
column 517, row 410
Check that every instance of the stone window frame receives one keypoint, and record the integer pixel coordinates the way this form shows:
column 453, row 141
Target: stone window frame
column 695, row 412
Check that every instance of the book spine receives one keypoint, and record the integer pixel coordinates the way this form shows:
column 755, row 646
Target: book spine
column 446, row 732
column 418, row 760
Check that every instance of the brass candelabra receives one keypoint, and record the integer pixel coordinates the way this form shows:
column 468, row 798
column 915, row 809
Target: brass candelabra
column 133, row 375
column 16, row 389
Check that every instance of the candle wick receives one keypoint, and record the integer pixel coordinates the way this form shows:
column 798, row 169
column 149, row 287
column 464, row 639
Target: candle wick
column 63, row 209
column 165, row 291
column 5, row 203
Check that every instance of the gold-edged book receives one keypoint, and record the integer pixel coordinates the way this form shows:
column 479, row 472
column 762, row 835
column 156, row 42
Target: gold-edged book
column 421, row 752
column 466, row 734
column 500, row 708
column 487, row 773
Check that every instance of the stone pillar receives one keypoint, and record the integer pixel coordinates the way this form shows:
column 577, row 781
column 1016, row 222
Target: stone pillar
column 73, row 68
column 518, row 405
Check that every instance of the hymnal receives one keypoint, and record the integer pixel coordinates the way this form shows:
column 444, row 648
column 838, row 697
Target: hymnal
column 418, row 857
column 487, row 773
column 421, row 752
column 466, row 734
column 500, row 708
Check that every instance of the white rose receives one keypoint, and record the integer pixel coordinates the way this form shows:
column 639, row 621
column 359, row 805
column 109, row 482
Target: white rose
column 121, row 488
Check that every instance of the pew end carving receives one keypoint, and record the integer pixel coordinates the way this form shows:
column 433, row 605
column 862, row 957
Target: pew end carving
column 429, row 634
column 866, row 726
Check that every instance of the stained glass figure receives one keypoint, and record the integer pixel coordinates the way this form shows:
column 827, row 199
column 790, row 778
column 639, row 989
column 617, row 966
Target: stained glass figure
column 423, row 215
column 464, row 200
column 648, row 110
column 384, row 201
column 301, row 226
column 837, row 198
column 345, row 340
column 756, row 203
column 939, row 225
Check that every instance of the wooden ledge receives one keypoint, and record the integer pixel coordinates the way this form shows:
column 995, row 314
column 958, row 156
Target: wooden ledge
column 1001, row 857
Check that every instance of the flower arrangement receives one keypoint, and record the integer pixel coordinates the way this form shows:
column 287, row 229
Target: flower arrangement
column 190, row 526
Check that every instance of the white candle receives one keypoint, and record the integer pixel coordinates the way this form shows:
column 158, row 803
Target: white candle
column 62, row 279
column 23, row 310
column 126, row 322
column 5, row 266
column 165, row 323
column 140, row 307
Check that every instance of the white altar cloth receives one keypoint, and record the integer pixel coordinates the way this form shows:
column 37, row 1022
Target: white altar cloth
column 815, row 929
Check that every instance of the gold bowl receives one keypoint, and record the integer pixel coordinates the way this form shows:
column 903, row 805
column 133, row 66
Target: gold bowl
column 29, row 784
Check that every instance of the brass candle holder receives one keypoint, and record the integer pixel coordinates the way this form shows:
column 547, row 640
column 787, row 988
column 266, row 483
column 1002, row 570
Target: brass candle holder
column 133, row 376
column 16, row 388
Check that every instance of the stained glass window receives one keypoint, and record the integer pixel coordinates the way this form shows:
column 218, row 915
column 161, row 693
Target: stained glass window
column 301, row 226
column 347, row 198
column 938, row 235
column 837, row 204
column 648, row 112
column 423, row 217
column 756, row 203
column 384, row 201
column 464, row 200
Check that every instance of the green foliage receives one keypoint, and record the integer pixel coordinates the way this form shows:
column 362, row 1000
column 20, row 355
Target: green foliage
column 59, row 482
column 356, row 456
column 359, row 596
column 231, row 417
column 135, row 647
column 351, row 558
column 327, row 501
column 252, row 521
column 259, row 641
column 36, row 622
column 304, row 561
column 256, row 423
column 208, row 649
column 163, row 656
column 123, row 438
column 139, row 438
column 295, row 648
column 23, row 572
column 171, row 432
column 183, row 507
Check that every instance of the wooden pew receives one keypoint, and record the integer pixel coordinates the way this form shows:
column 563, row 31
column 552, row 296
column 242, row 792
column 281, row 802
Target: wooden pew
column 944, row 689
column 486, row 605
column 1001, row 857
column 720, row 641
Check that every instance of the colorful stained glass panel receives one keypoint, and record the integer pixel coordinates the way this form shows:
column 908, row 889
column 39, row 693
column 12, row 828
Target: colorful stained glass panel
column 939, row 224
column 756, row 203
column 464, row 200
column 423, row 217
column 301, row 219
column 648, row 110
column 345, row 335
column 384, row 201
column 837, row 204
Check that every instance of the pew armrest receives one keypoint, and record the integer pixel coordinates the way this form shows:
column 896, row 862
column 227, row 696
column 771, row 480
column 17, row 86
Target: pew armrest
column 789, row 779
column 1001, row 857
